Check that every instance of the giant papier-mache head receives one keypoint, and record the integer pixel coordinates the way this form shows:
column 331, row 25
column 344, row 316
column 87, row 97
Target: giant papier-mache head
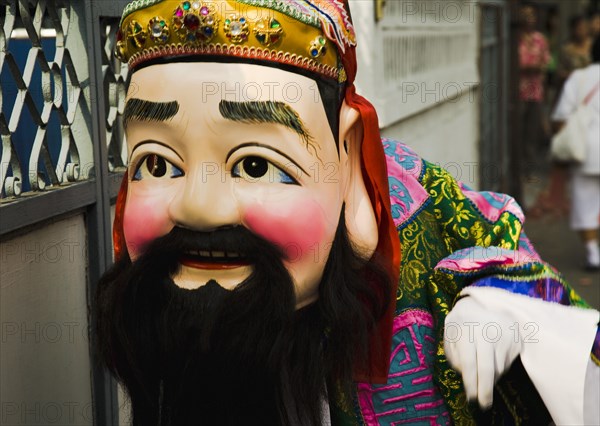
column 245, row 113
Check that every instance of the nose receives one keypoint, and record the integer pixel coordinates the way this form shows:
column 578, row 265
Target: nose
column 206, row 201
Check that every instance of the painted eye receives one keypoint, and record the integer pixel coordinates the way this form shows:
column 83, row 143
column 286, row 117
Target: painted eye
column 155, row 166
column 257, row 169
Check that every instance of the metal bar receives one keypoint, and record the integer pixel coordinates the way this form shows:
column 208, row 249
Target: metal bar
column 515, row 147
column 104, row 388
column 114, row 184
column 40, row 206
column 503, row 26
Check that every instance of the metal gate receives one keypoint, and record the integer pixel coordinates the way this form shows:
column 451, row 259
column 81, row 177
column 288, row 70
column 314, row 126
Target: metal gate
column 494, row 97
column 62, row 147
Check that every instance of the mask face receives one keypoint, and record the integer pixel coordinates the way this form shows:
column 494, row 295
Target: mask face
column 214, row 146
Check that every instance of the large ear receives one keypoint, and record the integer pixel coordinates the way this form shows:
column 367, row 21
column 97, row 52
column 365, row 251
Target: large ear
column 360, row 217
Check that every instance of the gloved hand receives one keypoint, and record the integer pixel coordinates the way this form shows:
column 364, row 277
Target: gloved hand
column 481, row 345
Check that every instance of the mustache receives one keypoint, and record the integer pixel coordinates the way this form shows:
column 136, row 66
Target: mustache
column 236, row 240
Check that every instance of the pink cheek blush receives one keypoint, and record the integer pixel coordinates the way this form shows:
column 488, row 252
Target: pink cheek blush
column 144, row 221
column 298, row 228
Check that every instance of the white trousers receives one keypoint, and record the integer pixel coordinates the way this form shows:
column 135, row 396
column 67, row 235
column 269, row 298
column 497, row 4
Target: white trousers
column 585, row 201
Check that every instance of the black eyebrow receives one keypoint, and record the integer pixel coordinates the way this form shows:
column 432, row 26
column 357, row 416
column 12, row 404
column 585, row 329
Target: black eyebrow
column 142, row 110
column 256, row 112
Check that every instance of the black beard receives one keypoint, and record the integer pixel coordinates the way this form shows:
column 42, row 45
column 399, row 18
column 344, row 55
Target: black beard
column 246, row 356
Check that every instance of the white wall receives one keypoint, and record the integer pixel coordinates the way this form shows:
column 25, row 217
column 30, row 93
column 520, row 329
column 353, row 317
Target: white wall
column 447, row 135
column 419, row 67
column 44, row 353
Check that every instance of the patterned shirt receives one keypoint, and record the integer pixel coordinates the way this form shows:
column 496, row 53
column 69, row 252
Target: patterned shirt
column 533, row 52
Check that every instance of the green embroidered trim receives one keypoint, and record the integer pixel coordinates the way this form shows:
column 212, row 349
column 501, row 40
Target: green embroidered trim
column 280, row 6
column 137, row 5
column 287, row 8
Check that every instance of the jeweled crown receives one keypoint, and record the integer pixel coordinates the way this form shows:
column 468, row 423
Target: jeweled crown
column 308, row 34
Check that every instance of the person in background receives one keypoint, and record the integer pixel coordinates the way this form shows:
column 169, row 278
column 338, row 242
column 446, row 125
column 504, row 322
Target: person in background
column 534, row 57
column 595, row 24
column 584, row 86
column 552, row 33
column 575, row 54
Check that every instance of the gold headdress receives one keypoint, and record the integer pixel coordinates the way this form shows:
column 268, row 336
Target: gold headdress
column 307, row 34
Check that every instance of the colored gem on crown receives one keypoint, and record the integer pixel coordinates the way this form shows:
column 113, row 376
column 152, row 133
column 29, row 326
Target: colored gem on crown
column 236, row 29
column 136, row 34
column 191, row 22
column 317, row 47
column 195, row 22
column 268, row 31
column 158, row 29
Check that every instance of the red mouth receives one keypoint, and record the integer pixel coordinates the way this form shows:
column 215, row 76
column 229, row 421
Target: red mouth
column 212, row 263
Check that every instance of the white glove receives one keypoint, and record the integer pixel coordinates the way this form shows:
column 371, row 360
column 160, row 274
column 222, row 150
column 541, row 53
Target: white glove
column 481, row 344
column 545, row 335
